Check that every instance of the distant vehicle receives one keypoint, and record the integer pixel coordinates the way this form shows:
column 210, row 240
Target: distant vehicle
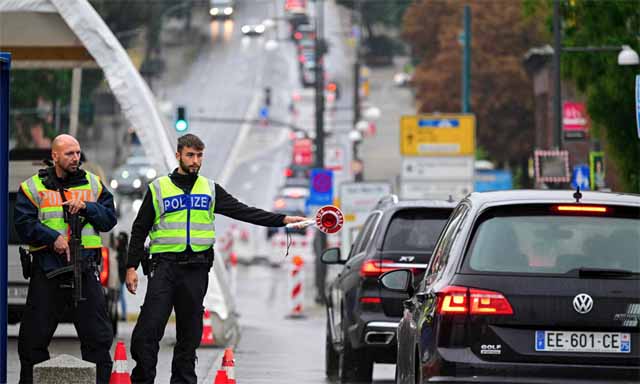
column 360, row 328
column 296, row 19
column 302, row 152
column 221, row 9
column 527, row 286
column 304, row 33
column 133, row 177
column 298, row 171
column 253, row 28
column 308, row 74
column 22, row 165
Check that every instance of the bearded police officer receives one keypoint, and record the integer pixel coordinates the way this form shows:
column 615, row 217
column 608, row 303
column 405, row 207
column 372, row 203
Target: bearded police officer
column 178, row 214
column 40, row 223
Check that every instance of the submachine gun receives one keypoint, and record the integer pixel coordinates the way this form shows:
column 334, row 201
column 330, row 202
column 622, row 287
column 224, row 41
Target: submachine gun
column 75, row 222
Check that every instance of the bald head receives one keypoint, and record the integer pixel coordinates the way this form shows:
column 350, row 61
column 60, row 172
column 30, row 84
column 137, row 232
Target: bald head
column 65, row 153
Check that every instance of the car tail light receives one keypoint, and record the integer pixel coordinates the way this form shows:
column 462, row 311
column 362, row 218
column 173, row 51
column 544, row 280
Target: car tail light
column 301, row 58
column 489, row 303
column 370, row 300
column 104, row 273
column 297, row 35
column 453, row 300
column 461, row 300
column 374, row 268
column 288, row 172
column 581, row 208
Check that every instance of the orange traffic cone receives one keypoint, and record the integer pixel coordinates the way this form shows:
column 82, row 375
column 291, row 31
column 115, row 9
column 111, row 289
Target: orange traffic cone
column 120, row 374
column 207, row 330
column 228, row 364
column 221, row 377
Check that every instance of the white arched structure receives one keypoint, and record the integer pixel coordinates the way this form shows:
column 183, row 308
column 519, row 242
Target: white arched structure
column 134, row 96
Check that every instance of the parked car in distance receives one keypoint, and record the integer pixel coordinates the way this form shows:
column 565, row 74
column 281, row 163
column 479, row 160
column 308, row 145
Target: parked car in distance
column 360, row 328
column 526, row 286
column 133, row 177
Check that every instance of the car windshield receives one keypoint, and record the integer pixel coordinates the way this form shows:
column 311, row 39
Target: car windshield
column 415, row 230
column 555, row 244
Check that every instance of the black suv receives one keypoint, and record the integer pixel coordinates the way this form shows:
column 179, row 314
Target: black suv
column 360, row 328
column 527, row 287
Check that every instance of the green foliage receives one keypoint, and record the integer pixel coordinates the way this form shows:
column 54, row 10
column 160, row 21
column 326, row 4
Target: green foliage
column 609, row 87
column 387, row 12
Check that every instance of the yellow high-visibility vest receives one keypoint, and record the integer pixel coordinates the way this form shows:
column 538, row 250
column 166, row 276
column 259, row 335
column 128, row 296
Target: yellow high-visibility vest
column 182, row 218
column 50, row 211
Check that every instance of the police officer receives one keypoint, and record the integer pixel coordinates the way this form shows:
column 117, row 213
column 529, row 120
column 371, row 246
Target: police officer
column 178, row 213
column 39, row 221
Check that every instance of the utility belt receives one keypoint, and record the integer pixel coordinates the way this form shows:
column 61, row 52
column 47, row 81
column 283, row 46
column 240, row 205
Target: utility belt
column 29, row 260
column 149, row 262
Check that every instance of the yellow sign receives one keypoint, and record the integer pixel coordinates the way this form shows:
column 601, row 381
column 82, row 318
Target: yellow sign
column 438, row 135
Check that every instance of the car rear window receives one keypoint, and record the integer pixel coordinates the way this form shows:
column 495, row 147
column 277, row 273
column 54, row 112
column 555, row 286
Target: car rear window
column 415, row 230
column 544, row 241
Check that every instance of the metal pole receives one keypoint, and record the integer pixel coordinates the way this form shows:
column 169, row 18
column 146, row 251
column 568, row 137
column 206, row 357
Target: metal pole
column 5, row 66
column 356, row 86
column 319, row 82
column 466, row 64
column 76, row 82
column 557, row 86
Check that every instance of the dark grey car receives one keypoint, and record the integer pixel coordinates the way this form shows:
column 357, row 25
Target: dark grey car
column 526, row 287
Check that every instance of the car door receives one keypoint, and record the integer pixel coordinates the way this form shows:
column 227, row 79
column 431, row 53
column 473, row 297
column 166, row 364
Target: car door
column 349, row 275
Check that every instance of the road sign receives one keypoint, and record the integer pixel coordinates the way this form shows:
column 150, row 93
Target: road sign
column 551, row 166
column 438, row 190
column 329, row 219
column 321, row 191
column 580, row 177
column 598, row 171
column 638, row 104
column 437, row 135
column 438, row 168
column 575, row 122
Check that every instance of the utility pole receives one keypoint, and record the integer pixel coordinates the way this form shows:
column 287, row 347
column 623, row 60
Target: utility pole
column 356, row 84
column 557, row 87
column 319, row 83
column 466, row 61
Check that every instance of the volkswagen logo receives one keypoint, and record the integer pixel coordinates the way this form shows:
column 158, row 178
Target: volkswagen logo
column 583, row 303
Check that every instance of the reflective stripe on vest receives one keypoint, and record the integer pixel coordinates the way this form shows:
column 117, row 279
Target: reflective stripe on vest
column 181, row 218
column 50, row 211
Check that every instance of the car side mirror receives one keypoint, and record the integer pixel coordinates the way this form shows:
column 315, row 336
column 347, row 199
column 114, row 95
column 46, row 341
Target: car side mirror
column 331, row 256
column 399, row 280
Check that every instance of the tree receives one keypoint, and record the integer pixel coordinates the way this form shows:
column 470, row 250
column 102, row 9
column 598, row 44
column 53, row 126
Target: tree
column 387, row 12
column 501, row 91
column 609, row 88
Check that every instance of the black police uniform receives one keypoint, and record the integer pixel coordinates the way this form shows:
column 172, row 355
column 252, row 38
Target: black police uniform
column 179, row 281
column 47, row 301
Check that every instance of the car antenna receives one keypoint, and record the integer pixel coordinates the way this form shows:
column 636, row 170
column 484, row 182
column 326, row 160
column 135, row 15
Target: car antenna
column 450, row 199
column 577, row 195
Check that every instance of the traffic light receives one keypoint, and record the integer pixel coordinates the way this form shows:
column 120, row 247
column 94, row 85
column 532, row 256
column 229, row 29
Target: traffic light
column 181, row 119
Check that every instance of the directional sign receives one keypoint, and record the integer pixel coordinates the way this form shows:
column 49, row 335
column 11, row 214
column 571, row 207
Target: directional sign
column 580, row 177
column 321, row 191
column 437, row 135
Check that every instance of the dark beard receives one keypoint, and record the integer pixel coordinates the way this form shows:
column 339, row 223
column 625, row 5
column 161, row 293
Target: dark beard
column 187, row 170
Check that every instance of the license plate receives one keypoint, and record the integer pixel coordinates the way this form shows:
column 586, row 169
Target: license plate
column 17, row 292
column 595, row 342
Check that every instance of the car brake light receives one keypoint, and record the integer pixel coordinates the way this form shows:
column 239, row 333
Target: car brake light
column 581, row 208
column 301, row 58
column 462, row 300
column 288, row 172
column 297, row 35
column 374, row 268
column 489, row 303
column 104, row 273
column 453, row 300
column 370, row 300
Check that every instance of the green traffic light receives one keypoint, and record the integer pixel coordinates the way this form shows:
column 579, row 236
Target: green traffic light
column 181, row 125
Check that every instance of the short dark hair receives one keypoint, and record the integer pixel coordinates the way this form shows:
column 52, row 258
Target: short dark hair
column 190, row 140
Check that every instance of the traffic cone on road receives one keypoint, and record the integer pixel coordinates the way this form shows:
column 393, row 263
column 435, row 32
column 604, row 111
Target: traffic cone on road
column 120, row 374
column 228, row 365
column 207, row 338
column 221, row 377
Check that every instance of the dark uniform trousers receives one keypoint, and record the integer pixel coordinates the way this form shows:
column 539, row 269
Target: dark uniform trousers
column 176, row 286
column 46, row 304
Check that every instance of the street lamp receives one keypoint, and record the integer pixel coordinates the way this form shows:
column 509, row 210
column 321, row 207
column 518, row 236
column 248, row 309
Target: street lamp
column 628, row 56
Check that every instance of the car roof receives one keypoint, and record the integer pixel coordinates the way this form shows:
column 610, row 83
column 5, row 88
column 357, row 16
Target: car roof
column 530, row 196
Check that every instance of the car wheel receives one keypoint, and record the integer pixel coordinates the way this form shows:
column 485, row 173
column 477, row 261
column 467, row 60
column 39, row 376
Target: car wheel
column 331, row 357
column 354, row 366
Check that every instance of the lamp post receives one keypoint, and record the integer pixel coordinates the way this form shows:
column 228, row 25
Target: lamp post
column 626, row 56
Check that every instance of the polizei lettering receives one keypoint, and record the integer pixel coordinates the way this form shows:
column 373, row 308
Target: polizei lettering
column 181, row 202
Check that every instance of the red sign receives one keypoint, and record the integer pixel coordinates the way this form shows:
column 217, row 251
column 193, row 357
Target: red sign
column 303, row 152
column 329, row 219
column 575, row 122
